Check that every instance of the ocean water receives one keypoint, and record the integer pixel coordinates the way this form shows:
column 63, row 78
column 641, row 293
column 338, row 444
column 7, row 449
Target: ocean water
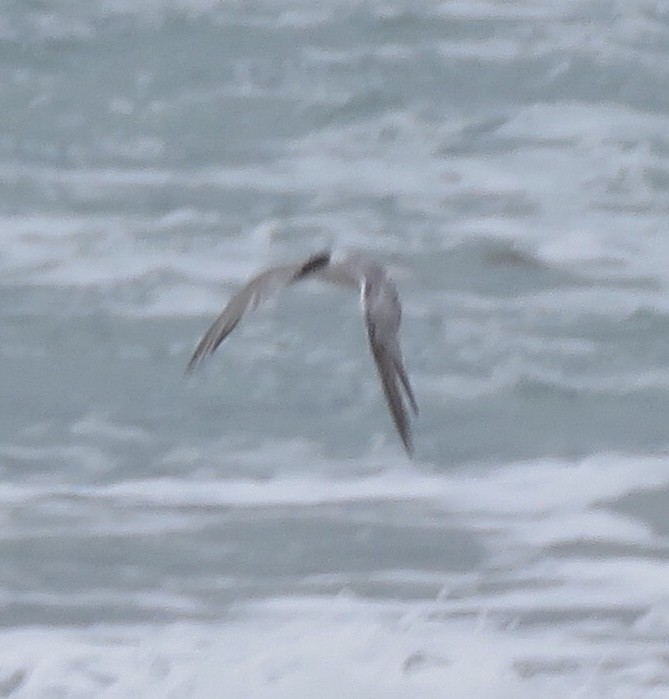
column 256, row 530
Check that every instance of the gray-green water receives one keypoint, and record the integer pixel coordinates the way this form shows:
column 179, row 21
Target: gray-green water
column 257, row 531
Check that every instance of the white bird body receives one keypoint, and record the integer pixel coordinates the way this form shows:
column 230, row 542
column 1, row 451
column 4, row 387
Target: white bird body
column 381, row 309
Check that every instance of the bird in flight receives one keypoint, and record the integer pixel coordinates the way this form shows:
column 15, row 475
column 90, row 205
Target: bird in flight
column 381, row 311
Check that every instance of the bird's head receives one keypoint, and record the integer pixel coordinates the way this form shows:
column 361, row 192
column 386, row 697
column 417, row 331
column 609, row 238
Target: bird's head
column 314, row 264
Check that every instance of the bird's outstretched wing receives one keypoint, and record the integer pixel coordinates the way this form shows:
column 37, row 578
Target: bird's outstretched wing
column 382, row 319
column 259, row 289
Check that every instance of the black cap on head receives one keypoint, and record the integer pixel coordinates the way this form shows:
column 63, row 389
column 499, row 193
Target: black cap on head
column 313, row 264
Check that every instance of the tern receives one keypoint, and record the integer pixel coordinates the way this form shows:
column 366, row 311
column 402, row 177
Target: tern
column 381, row 310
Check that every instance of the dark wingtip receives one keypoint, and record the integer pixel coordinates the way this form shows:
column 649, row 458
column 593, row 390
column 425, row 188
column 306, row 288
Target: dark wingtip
column 313, row 264
column 192, row 365
column 408, row 445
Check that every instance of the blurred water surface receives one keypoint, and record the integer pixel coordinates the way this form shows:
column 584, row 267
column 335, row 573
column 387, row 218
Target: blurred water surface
column 257, row 531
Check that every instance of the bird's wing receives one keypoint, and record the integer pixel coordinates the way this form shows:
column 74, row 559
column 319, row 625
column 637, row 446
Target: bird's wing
column 259, row 289
column 385, row 348
column 401, row 372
